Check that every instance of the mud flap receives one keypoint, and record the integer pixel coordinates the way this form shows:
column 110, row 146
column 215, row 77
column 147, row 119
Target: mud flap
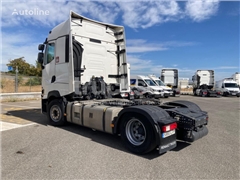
column 193, row 135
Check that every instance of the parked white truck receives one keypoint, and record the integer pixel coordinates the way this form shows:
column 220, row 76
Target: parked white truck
column 147, row 87
column 84, row 66
column 236, row 77
column 203, row 83
column 170, row 78
column 161, row 84
column 228, row 87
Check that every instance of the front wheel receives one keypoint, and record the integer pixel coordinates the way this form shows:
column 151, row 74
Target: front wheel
column 56, row 113
column 137, row 134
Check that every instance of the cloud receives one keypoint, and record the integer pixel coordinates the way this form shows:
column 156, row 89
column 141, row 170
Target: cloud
column 227, row 67
column 141, row 66
column 200, row 10
column 141, row 45
column 17, row 45
column 144, row 14
column 50, row 13
column 134, row 14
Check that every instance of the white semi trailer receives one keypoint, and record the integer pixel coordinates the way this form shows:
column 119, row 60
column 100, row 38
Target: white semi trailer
column 84, row 67
column 203, row 83
column 170, row 78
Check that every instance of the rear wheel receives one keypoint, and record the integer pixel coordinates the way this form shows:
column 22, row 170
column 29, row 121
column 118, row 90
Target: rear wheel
column 137, row 134
column 56, row 112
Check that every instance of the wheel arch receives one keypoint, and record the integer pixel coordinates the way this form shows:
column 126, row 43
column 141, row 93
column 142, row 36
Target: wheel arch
column 53, row 95
column 154, row 114
column 192, row 106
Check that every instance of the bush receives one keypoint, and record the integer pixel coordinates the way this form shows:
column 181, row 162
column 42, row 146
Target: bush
column 3, row 82
column 34, row 81
column 20, row 80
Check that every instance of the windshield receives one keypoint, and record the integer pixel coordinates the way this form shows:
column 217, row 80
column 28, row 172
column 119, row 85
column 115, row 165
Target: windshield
column 160, row 83
column 231, row 85
column 149, row 82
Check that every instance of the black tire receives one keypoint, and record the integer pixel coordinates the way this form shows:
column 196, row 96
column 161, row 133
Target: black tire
column 147, row 95
column 55, row 112
column 137, row 133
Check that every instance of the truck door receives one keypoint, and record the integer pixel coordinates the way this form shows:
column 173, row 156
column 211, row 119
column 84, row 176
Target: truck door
column 48, row 72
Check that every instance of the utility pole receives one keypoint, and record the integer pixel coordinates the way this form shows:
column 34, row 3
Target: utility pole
column 16, row 80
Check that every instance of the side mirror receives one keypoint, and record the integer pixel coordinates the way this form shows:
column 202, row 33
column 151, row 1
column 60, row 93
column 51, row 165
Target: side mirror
column 41, row 47
column 40, row 57
column 144, row 85
column 222, row 86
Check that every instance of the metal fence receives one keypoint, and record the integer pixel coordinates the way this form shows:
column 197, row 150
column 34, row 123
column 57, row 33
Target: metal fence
column 11, row 83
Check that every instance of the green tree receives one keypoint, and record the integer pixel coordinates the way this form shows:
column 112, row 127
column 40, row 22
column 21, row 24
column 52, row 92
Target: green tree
column 38, row 69
column 22, row 65
column 25, row 68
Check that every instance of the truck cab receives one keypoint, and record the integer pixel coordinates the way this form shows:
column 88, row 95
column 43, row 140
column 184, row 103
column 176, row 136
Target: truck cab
column 78, row 51
column 145, row 85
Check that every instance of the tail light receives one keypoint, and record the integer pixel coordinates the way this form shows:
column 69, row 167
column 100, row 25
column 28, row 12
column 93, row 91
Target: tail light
column 169, row 127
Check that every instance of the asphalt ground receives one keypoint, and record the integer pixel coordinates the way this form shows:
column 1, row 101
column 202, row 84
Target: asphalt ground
column 33, row 149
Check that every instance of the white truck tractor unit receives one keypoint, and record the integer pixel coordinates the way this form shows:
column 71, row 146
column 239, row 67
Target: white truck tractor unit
column 84, row 68
column 147, row 87
column 170, row 78
column 161, row 84
column 228, row 87
column 236, row 77
column 203, row 83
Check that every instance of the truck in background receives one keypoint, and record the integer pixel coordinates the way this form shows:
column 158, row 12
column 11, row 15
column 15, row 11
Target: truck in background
column 203, row 83
column 84, row 67
column 228, row 87
column 147, row 87
column 161, row 84
column 170, row 78
column 236, row 77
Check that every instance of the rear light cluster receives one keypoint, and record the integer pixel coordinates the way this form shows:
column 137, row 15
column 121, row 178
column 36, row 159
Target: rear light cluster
column 169, row 127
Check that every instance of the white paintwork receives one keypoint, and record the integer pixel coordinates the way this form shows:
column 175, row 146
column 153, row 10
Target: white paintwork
column 236, row 77
column 149, row 88
column 161, row 84
column 206, row 77
column 98, row 59
column 227, row 85
column 170, row 76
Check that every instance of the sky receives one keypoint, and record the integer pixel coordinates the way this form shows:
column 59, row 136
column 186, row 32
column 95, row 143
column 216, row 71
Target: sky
column 185, row 35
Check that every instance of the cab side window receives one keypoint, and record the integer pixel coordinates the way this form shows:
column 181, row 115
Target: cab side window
column 50, row 53
column 141, row 83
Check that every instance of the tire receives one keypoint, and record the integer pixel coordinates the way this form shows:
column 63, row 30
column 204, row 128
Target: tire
column 55, row 113
column 137, row 133
column 147, row 95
